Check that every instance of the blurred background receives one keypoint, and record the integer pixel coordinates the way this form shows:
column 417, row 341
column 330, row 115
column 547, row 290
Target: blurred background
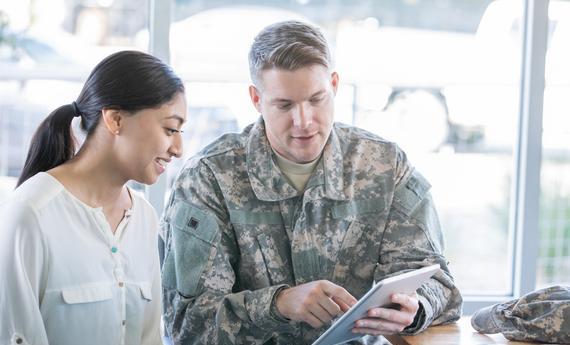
column 442, row 78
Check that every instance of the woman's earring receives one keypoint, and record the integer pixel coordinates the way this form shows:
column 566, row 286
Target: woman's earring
column 117, row 132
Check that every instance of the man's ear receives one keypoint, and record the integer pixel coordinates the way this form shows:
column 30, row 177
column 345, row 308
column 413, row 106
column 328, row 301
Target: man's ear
column 255, row 97
column 334, row 81
column 113, row 120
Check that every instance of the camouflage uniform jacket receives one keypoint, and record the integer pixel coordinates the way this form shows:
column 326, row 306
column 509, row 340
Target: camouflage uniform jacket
column 236, row 232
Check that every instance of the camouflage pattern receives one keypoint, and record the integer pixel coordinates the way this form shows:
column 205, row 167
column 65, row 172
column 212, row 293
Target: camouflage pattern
column 236, row 232
column 542, row 315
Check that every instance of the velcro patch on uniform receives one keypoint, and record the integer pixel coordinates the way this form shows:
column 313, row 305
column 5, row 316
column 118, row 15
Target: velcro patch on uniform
column 199, row 223
column 193, row 223
column 410, row 193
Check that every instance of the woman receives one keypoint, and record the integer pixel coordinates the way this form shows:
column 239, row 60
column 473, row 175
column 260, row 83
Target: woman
column 78, row 248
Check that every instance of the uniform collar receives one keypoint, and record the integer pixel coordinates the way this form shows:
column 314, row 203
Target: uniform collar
column 333, row 168
column 267, row 180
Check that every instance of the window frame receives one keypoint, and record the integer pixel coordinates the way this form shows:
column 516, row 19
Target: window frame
column 160, row 17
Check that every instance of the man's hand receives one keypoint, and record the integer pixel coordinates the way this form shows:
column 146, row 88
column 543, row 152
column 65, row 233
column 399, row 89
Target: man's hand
column 381, row 321
column 315, row 303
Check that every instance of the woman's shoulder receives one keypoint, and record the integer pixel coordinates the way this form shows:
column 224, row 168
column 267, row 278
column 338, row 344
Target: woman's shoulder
column 23, row 208
column 19, row 214
column 16, row 210
column 36, row 192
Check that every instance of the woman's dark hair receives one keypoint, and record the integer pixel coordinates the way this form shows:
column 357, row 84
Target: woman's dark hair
column 127, row 80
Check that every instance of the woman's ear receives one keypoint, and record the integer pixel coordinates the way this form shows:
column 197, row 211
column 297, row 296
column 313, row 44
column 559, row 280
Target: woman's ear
column 113, row 120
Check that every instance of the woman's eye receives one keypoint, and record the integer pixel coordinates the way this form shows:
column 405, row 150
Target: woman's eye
column 172, row 131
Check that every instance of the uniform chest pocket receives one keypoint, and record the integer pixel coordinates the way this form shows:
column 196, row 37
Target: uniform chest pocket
column 276, row 258
column 360, row 248
column 267, row 261
column 365, row 217
column 357, row 208
column 89, row 294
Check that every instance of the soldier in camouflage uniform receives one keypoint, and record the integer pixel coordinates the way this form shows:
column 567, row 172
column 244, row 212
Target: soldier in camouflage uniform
column 272, row 233
column 542, row 315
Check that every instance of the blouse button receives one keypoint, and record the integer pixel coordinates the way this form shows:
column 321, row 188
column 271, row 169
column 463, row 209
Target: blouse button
column 121, row 284
column 114, row 249
column 19, row 340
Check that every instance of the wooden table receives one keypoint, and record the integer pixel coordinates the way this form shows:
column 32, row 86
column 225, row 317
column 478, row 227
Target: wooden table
column 460, row 333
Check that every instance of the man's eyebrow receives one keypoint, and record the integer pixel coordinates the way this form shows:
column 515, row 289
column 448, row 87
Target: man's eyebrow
column 280, row 100
column 318, row 93
column 284, row 100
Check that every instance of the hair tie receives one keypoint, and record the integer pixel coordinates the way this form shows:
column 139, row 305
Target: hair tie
column 75, row 109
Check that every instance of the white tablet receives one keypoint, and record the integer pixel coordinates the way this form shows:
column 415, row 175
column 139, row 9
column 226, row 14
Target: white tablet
column 378, row 296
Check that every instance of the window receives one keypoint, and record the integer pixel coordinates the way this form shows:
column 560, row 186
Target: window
column 553, row 266
column 47, row 49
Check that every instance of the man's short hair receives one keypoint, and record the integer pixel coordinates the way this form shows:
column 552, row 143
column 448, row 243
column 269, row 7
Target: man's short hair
column 288, row 45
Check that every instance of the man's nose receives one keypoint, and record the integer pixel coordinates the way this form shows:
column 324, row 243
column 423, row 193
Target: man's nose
column 303, row 117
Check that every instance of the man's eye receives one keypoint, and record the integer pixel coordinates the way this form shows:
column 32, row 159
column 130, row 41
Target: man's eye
column 316, row 100
column 285, row 106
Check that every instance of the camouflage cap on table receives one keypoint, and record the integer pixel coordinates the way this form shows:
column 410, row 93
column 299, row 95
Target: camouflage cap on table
column 542, row 315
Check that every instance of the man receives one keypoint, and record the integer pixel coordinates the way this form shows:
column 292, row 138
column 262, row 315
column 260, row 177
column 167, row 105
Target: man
column 274, row 232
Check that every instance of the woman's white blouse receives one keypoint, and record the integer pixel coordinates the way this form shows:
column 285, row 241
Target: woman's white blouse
column 67, row 279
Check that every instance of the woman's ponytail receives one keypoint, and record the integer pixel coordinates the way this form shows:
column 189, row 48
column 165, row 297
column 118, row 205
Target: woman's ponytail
column 52, row 144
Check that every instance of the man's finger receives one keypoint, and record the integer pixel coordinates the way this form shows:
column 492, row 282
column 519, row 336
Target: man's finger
column 379, row 325
column 333, row 290
column 404, row 318
column 330, row 305
column 312, row 320
column 372, row 331
column 343, row 306
column 320, row 313
column 407, row 302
